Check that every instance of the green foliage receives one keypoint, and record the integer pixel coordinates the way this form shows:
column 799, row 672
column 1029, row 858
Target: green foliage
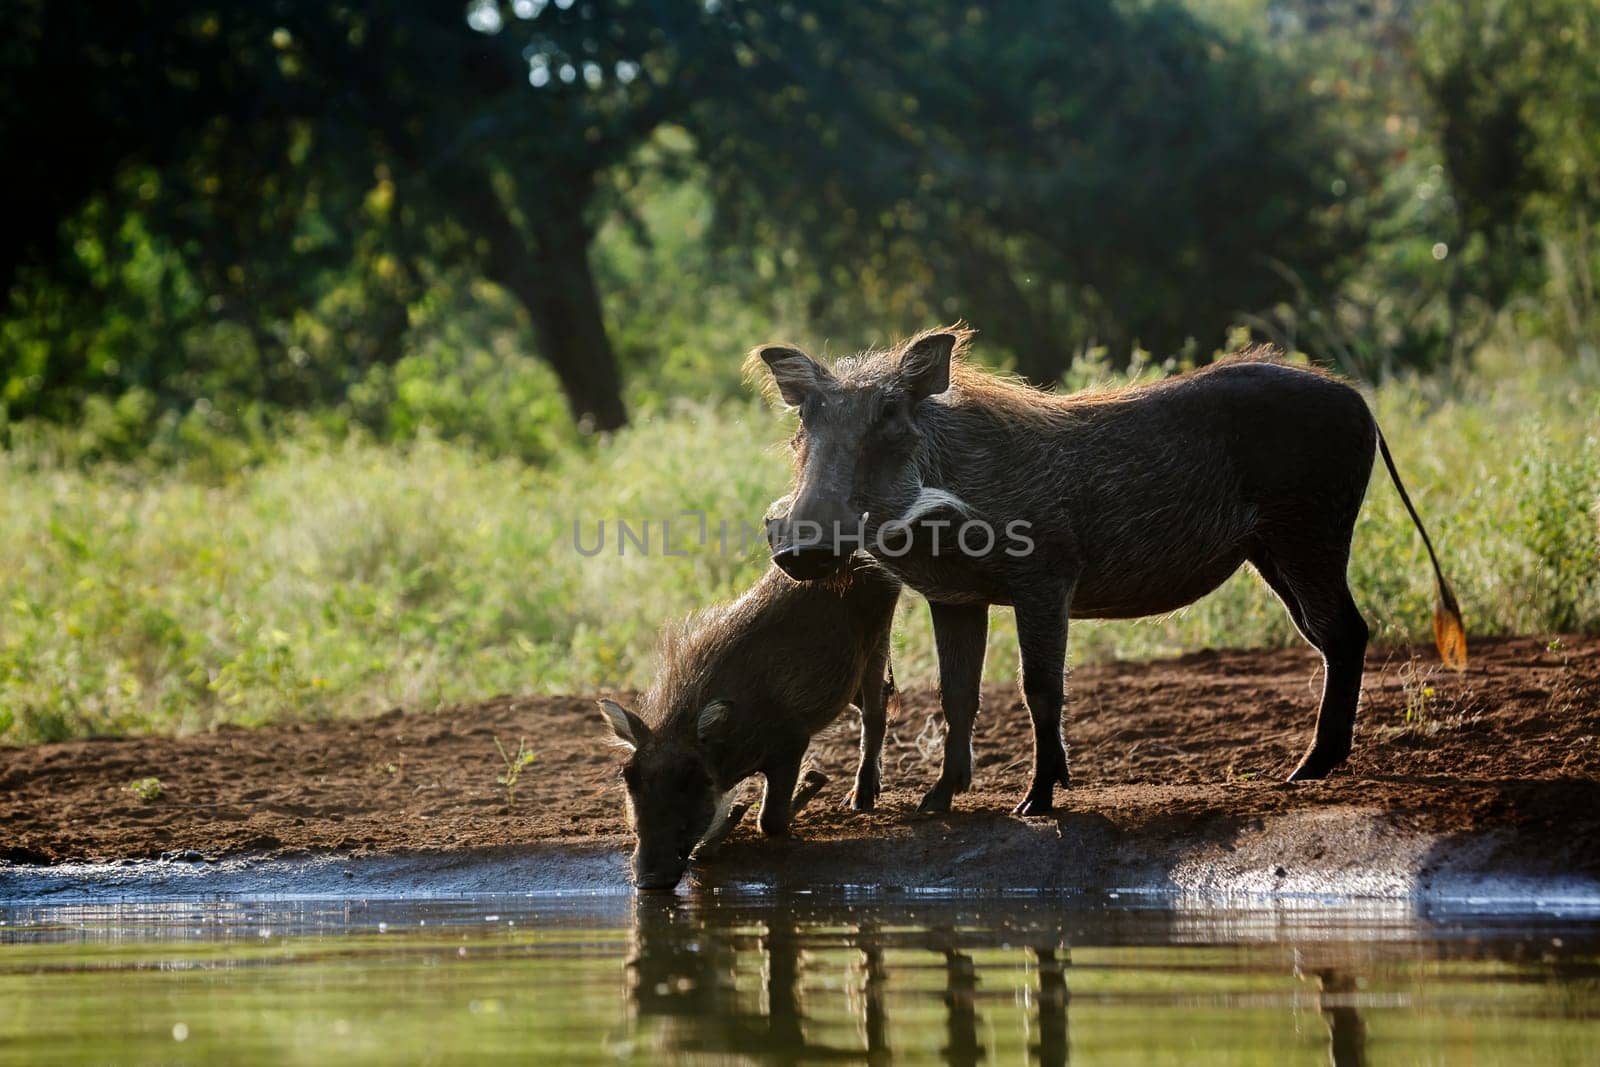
column 336, row 576
column 1466, row 135
column 319, row 180
column 1059, row 174
column 305, row 174
column 1515, row 100
column 1557, row 527
column 269, row 237
column 1518, row 107
column 288, row 361
column 347, row 576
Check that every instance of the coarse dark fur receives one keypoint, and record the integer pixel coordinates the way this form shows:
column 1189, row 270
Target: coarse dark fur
column 741, row 690
column 1134, row 502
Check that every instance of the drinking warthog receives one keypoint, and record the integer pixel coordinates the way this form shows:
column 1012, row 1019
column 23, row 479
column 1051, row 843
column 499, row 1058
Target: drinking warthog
column 741, row 690
column 1103, row 505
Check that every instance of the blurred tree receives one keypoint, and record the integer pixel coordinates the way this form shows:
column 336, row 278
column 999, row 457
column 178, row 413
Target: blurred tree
column 1516, row 104
column 1060, row 174
column 283, row 137
column 281, row 182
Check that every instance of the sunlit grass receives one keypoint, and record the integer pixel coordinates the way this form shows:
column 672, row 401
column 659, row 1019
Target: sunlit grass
column 345, row 578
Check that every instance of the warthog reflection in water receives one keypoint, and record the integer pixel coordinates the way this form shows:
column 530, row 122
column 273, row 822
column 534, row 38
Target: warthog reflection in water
column 685, row 976
column 780, row 984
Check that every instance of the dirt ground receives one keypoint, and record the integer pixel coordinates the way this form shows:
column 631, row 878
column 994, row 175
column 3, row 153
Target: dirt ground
column 1167, row 747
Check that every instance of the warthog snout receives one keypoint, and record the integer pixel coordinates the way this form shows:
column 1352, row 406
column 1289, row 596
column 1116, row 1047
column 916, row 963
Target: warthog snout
column 808, row 563
column 659, row 881
column 813, row 539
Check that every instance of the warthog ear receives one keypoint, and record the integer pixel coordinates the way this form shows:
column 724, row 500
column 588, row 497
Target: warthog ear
column 629, row 728
column 795, row 373
column 925, row 361
column 713, row 721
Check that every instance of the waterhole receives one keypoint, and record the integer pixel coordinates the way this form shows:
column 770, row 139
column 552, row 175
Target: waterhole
column 791, row 979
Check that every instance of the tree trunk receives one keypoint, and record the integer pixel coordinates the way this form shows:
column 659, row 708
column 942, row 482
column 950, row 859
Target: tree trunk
column 554, row 283
column 566, row 312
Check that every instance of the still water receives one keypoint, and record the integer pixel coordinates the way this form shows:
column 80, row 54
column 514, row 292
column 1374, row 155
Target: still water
column 789, row 980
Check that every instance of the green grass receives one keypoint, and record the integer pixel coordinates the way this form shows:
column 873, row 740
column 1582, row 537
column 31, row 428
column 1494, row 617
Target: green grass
column 148, row 790
column 346, row 577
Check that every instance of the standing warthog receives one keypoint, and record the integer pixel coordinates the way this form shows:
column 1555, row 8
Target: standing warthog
column 1104, row 505
column 742, row 689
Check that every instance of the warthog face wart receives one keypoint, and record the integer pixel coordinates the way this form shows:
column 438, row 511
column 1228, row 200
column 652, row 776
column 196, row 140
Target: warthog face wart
column 855, row 453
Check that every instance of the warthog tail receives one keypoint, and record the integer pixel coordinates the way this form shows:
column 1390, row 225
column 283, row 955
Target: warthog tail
column 1449, row 633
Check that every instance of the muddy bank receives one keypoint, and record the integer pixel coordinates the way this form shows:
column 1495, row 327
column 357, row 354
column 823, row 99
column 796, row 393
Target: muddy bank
column 1484, row 775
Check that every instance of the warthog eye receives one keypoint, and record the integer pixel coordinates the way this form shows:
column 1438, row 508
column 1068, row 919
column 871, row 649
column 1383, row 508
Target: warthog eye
column 891, row 407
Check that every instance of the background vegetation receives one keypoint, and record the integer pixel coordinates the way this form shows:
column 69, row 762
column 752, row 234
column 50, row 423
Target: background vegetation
column 326, row 323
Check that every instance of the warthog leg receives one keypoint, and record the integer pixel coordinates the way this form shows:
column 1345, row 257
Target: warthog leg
column 1310, row 580
column 777, row 800
column 719, row 833
column 810, row 785
column 1042, row 633
column 960, row 632
column 876, row 690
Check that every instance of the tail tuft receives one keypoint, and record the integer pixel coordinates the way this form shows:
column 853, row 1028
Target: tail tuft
column 1449, row 632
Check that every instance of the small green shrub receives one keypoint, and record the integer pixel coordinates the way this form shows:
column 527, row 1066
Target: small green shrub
column 516, row 763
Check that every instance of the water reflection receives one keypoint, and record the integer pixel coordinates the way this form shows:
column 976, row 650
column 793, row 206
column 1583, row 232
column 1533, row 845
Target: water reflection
column 789, row 979
column 685, row 971
column 686, row 987
column 875, row 979
column 1347, row 1034
column 1052, row 1047
column 960, row 1001
column 970, row 985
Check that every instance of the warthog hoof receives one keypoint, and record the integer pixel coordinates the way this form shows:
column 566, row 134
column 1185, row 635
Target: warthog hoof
column 945, row 789
column 1316, row 765
column 937, row 799
column 1032, row 805
column 864, row 797
column 1041, row 798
